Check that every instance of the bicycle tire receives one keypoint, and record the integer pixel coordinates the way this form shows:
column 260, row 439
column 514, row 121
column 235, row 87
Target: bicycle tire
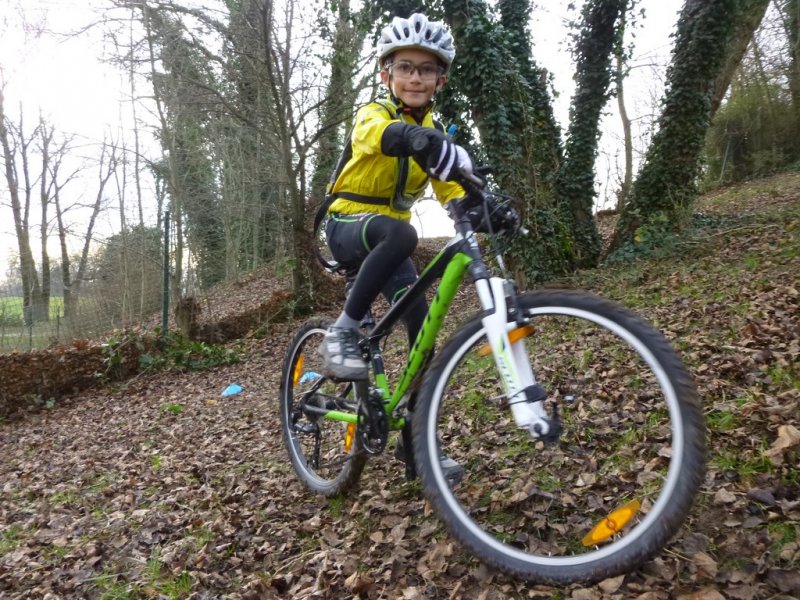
column 327, row 455
column 633, row 432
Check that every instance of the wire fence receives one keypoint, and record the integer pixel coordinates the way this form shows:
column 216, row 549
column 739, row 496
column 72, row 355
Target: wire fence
column 96, row 313
column 122, row 286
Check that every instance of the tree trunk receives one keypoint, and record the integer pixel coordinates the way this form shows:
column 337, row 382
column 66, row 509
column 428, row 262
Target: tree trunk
column 791, row 10
column 666, row 185
column 627, row 178
column 340, row 98
column 510, row 106
column 30, row 280
column 42, row 304
column 593, row 75
column 70, row 299
column 752, row 12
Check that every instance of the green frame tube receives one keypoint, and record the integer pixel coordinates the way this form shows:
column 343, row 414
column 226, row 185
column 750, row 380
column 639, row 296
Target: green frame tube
column 426, row 339
column 423, row 346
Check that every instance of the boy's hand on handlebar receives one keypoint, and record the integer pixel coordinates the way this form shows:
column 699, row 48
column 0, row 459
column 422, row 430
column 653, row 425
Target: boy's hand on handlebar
column 441, row 158
column 452, row 162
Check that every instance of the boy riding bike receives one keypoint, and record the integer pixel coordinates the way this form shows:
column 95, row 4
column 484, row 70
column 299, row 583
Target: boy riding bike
column 397, row 148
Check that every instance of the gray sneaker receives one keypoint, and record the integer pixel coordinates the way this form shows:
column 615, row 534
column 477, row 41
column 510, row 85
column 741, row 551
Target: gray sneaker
column 343, row 358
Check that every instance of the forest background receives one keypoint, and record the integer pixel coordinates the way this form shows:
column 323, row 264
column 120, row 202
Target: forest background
column 232, row 114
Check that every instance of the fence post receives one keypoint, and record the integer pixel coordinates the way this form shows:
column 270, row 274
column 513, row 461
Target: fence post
column 165, row 299
column 28, row 311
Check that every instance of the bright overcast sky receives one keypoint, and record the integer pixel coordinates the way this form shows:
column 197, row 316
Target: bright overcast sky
column 67, row 81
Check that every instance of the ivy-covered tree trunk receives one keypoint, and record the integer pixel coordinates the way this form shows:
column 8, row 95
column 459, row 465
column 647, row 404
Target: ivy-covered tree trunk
column 340, row 96
column 185, row 93
column 249, row 143
column 791, row 11
column 666, row 185
column 752, row 14
column 511, row 108
column 592, row 77
column 514, row 17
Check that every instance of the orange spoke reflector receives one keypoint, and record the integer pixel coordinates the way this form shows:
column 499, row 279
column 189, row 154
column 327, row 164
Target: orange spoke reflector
column 612, row 524
column 349, row 435
column 298, row 368
column 514, row 335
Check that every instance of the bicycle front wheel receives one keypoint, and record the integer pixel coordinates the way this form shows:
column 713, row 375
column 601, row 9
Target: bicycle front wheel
column 617, row 484
column 326, row 454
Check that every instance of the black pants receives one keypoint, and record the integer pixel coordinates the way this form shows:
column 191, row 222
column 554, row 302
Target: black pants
column 380, row 247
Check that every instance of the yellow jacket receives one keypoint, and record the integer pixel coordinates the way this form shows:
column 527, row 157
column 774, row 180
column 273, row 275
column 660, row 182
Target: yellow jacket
column 369, row 181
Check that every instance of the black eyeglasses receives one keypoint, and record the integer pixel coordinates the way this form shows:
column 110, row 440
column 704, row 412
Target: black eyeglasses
column 404, row 69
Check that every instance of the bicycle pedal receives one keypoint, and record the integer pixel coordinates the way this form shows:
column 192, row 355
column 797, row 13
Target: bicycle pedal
column 306, row 428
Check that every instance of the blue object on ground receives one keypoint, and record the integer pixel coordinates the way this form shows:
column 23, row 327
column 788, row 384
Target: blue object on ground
column 232, row 390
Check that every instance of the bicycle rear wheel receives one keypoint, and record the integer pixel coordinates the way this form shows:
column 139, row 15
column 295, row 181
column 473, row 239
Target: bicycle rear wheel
column 620, row 480
column 326, row 454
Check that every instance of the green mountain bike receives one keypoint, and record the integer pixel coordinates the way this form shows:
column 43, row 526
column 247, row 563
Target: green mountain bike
column 578, row 428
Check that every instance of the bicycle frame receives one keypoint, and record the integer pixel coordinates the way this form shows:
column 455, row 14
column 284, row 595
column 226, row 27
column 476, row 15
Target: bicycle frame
column 460, row 255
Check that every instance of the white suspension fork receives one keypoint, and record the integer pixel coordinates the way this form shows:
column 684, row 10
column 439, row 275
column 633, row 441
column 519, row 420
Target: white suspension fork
column 511, row 359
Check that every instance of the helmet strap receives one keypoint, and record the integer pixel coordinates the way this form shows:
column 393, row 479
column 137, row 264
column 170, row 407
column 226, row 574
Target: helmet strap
column 417, row 113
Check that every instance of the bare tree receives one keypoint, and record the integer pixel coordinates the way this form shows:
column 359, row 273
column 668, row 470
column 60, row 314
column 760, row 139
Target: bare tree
column 45, row 188
column 66, row 271
column 106, row 167
column 15, row 143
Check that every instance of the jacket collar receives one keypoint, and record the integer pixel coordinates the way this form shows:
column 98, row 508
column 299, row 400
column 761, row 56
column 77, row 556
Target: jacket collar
column 418, row 114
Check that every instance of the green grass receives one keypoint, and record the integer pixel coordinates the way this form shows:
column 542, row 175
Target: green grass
column 202, row 535
column 10, row 539
column 103, row 481
column 336, row 505
column 722, row 420
column 156, row 462
column 64, row 497
column 11, row 308
column 782, row 533
column 784, row 378
column 54, row 554
column 112, row 589
column 180, row 587
column 173, row 408
column 746, row 467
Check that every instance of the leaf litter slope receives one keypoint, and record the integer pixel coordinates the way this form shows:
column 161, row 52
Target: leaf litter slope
column 162, row 488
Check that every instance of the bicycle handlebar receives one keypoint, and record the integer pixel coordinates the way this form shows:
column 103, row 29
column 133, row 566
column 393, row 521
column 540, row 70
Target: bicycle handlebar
column 482, row 208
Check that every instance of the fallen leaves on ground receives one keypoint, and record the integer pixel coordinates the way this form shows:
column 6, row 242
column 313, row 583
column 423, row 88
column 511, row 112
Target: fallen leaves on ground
column 110, row 495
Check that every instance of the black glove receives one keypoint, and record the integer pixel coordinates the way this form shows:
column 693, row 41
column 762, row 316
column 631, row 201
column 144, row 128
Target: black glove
column 502, row 218
column 433, row 150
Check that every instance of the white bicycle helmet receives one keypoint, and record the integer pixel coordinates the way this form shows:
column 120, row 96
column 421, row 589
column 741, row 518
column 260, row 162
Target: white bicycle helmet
column 417, row 32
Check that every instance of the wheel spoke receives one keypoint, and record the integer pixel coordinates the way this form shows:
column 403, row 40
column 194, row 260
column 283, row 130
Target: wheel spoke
column 621, row 476
column 325, row 453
